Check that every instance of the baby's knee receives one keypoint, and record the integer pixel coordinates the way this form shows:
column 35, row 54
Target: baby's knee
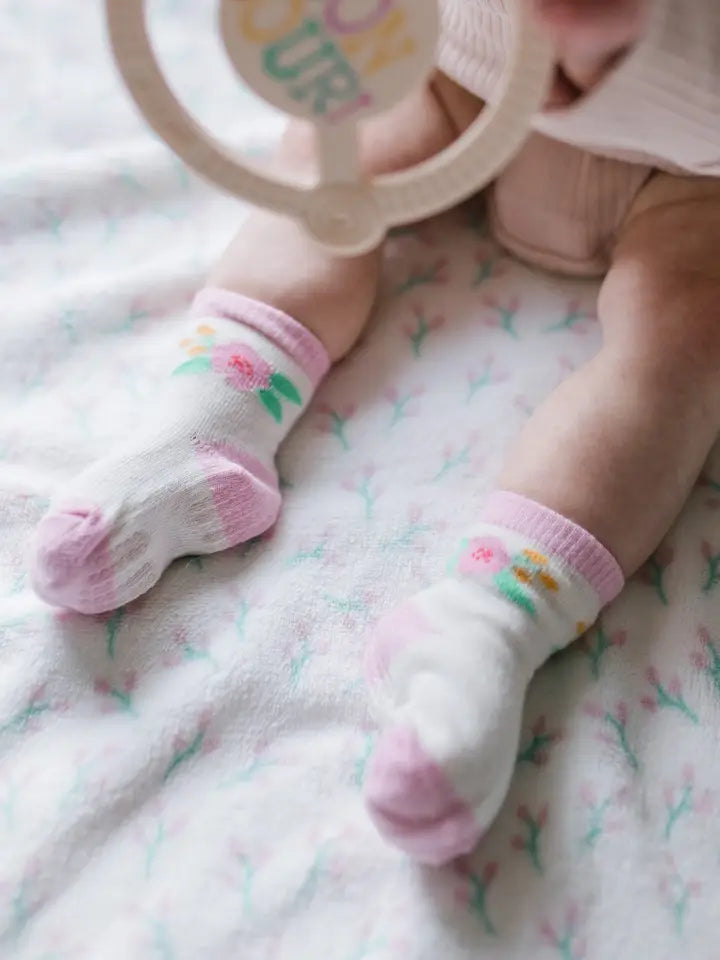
column 661, row 299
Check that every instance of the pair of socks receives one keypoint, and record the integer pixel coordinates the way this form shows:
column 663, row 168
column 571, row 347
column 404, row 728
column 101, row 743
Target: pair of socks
column 447, row 670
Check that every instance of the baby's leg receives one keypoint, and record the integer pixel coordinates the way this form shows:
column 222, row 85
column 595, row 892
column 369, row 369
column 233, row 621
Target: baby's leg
column 201, row 476
column 590, row 488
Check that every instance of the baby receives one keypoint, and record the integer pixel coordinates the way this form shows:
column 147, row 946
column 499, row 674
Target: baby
column 620, row 179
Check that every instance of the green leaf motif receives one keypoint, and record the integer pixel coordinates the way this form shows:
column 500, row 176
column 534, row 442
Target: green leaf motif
column 196, row 365
column 513, row 591
column 271, row 404
column 285, row 388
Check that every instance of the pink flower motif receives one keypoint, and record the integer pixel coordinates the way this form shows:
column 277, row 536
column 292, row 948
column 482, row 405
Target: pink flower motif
column 244, row 369
column 483, row 555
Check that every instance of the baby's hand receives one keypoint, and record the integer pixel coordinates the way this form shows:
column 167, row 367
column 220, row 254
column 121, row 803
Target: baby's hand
column 590, row 35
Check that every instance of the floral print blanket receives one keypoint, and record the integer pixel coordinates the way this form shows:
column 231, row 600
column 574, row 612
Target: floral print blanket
column 182, row 779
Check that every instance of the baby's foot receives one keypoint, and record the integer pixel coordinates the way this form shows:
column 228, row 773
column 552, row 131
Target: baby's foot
column 449, row 669
column 201, row 478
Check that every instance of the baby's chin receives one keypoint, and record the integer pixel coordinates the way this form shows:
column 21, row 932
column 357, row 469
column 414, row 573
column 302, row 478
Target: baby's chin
column 594, row 27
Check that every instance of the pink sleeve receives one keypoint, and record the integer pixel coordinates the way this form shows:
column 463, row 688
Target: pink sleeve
column 661, row 104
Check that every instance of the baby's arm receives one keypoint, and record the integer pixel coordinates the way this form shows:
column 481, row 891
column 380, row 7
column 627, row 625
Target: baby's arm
column 660, row 103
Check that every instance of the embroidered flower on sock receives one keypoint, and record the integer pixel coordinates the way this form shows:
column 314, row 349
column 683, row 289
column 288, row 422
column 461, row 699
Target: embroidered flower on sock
column 520, row 577
column 243, row 369
column 483, row 555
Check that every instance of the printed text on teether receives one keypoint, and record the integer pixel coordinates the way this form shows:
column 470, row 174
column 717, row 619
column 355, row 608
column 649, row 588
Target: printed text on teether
column 324, row 56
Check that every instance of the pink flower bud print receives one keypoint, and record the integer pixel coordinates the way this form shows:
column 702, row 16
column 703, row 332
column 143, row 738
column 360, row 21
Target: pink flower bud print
column 483, row 555
column 244, row 369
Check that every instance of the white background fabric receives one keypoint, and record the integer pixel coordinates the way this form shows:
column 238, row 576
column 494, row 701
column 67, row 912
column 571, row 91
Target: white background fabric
column 182, row 779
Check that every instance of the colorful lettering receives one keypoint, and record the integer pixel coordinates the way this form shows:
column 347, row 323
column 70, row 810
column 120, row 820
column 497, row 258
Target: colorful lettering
column 321, row 60
column 298, row 52
column 385, row 46
column 256, row 31
column 337, row 24
column 337, row 84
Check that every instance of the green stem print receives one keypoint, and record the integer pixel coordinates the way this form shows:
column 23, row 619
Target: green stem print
column 367, row 949
column 306, row 556
column 308, row 888
column 677, row 810
column 7, row 805
column 187, row 650
column 596, row 645
column 120, row 695
column 335, row 422
column 184, row 750
column 433, row 274
column 576, row 319
column 248, row 773
column 402, row 405
column 617, row 724
column 348, row 606
column 677, row 893
column 596, row 823
column 22, row 909
column 241, row 619
column 410, row 534
column 529, row 840
column 667, row 697
column 712, row 574
column 707, row 659
column 153, row 847
column 503, row 316
column 112, row 626
column 486, row 268
column 419, row 333
column 653, row 574
column 473, row 892
column 35, row 707
column 299, row 661
column 453, row 461
column 161, row 940
column 364, row 487
column 537, row 749
column 564, row 937
column 247, row 879
column 363, row 758
column 485, row 378
column 134, row 315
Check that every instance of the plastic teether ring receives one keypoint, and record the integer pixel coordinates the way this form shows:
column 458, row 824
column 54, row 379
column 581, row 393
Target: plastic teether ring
column 336, row 63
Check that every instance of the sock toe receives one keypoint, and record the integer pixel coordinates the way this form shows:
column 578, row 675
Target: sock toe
column 413, row 803
column 65, row 540
column 66, row 543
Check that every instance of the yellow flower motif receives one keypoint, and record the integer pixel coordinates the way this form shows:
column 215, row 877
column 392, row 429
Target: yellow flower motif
column 186, row 343
column 550, row 583
column 205, row 331
column 537, row 558
column 196, row 351
column 523, row 575
column 580, row 628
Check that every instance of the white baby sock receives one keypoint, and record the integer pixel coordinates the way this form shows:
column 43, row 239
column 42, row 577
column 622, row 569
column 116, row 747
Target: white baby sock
column 199, row 478
column 449, row 669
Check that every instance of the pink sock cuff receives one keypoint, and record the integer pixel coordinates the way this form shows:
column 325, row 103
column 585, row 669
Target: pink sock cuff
column 300, row 344
column 559, row 537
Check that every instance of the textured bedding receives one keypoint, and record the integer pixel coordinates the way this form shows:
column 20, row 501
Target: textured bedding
column 182, row 779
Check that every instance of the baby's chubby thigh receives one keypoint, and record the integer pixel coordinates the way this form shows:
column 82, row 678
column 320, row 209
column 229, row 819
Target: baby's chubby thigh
column 660, row 302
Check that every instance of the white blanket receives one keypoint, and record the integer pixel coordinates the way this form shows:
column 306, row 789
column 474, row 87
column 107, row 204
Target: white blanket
column 182, row 780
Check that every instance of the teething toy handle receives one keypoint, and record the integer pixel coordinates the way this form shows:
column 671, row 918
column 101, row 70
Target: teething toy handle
column 337, row 62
